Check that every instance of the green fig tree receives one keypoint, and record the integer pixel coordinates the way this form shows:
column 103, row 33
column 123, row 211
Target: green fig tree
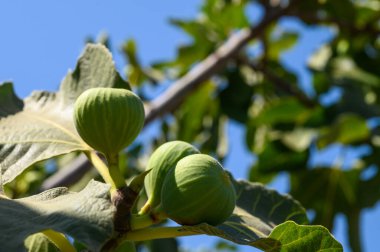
column 119, row 212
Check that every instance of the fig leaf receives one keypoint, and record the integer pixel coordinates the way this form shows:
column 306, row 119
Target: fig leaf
column 85, row 216
column 260, row 218
column 41, row 126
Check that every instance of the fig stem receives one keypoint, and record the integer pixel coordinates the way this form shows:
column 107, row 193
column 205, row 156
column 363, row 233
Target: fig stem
column 102, row 168
column 113, row 166
column 156, row 233
column 139, row 221
column 59, row 240
column 146, row 208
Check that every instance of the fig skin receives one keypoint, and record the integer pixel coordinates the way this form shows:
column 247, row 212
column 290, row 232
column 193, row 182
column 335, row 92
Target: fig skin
column 108, row 119
column 161, row 161
column 198, row 190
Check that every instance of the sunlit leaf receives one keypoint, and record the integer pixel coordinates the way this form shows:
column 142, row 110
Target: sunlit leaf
column 292, row 237
column 39, row 242
column 319, row 59
column 299, row 139
column 41, row 126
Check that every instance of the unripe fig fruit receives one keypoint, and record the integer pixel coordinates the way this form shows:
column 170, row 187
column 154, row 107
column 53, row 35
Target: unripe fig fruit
column 108, row 119
column 198, row 190
column 162, row 160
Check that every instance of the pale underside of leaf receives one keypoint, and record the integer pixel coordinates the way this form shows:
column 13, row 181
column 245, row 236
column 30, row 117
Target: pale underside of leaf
column 37, row 133
column 86, row 216
column 41, row 127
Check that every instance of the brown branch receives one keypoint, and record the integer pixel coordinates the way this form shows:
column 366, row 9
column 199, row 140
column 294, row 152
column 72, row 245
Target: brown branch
column 68, row 174
column 174, row 95
column 172, row 98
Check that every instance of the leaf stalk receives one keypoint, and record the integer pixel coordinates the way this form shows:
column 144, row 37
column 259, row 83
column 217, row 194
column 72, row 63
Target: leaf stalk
column 113, row 166
column 156, row 233
column 102, row 168
column 59, row 240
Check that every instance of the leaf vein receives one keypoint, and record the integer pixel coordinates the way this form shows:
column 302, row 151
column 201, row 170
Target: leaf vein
column 56, row 125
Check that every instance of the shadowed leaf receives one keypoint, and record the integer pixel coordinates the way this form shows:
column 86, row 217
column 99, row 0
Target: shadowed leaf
column 86, row 216
column 262, row 215
column 346, row 130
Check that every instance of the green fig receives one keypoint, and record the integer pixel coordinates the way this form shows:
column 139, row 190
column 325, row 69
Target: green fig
column 108, row 119
column 162, row 160
column 198, row 190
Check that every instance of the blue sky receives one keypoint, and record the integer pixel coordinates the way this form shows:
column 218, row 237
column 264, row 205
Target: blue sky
column 42, row 39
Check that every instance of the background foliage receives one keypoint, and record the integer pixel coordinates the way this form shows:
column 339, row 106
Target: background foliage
column 286, row 125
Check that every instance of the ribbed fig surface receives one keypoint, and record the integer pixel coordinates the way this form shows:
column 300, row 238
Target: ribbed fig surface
column 162, row 160
column 108, row 119
column 198, row 190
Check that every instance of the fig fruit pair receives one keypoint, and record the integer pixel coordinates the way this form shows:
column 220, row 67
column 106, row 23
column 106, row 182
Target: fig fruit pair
column 188, row 187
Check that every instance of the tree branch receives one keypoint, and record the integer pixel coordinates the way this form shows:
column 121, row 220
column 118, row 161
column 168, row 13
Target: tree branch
column 174, row 95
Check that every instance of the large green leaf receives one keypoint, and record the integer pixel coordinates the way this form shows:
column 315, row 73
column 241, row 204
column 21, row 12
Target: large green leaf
column 333, row 191
column 258, row 220
column 290, row 236
column 41, row 127
column 86, row 216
